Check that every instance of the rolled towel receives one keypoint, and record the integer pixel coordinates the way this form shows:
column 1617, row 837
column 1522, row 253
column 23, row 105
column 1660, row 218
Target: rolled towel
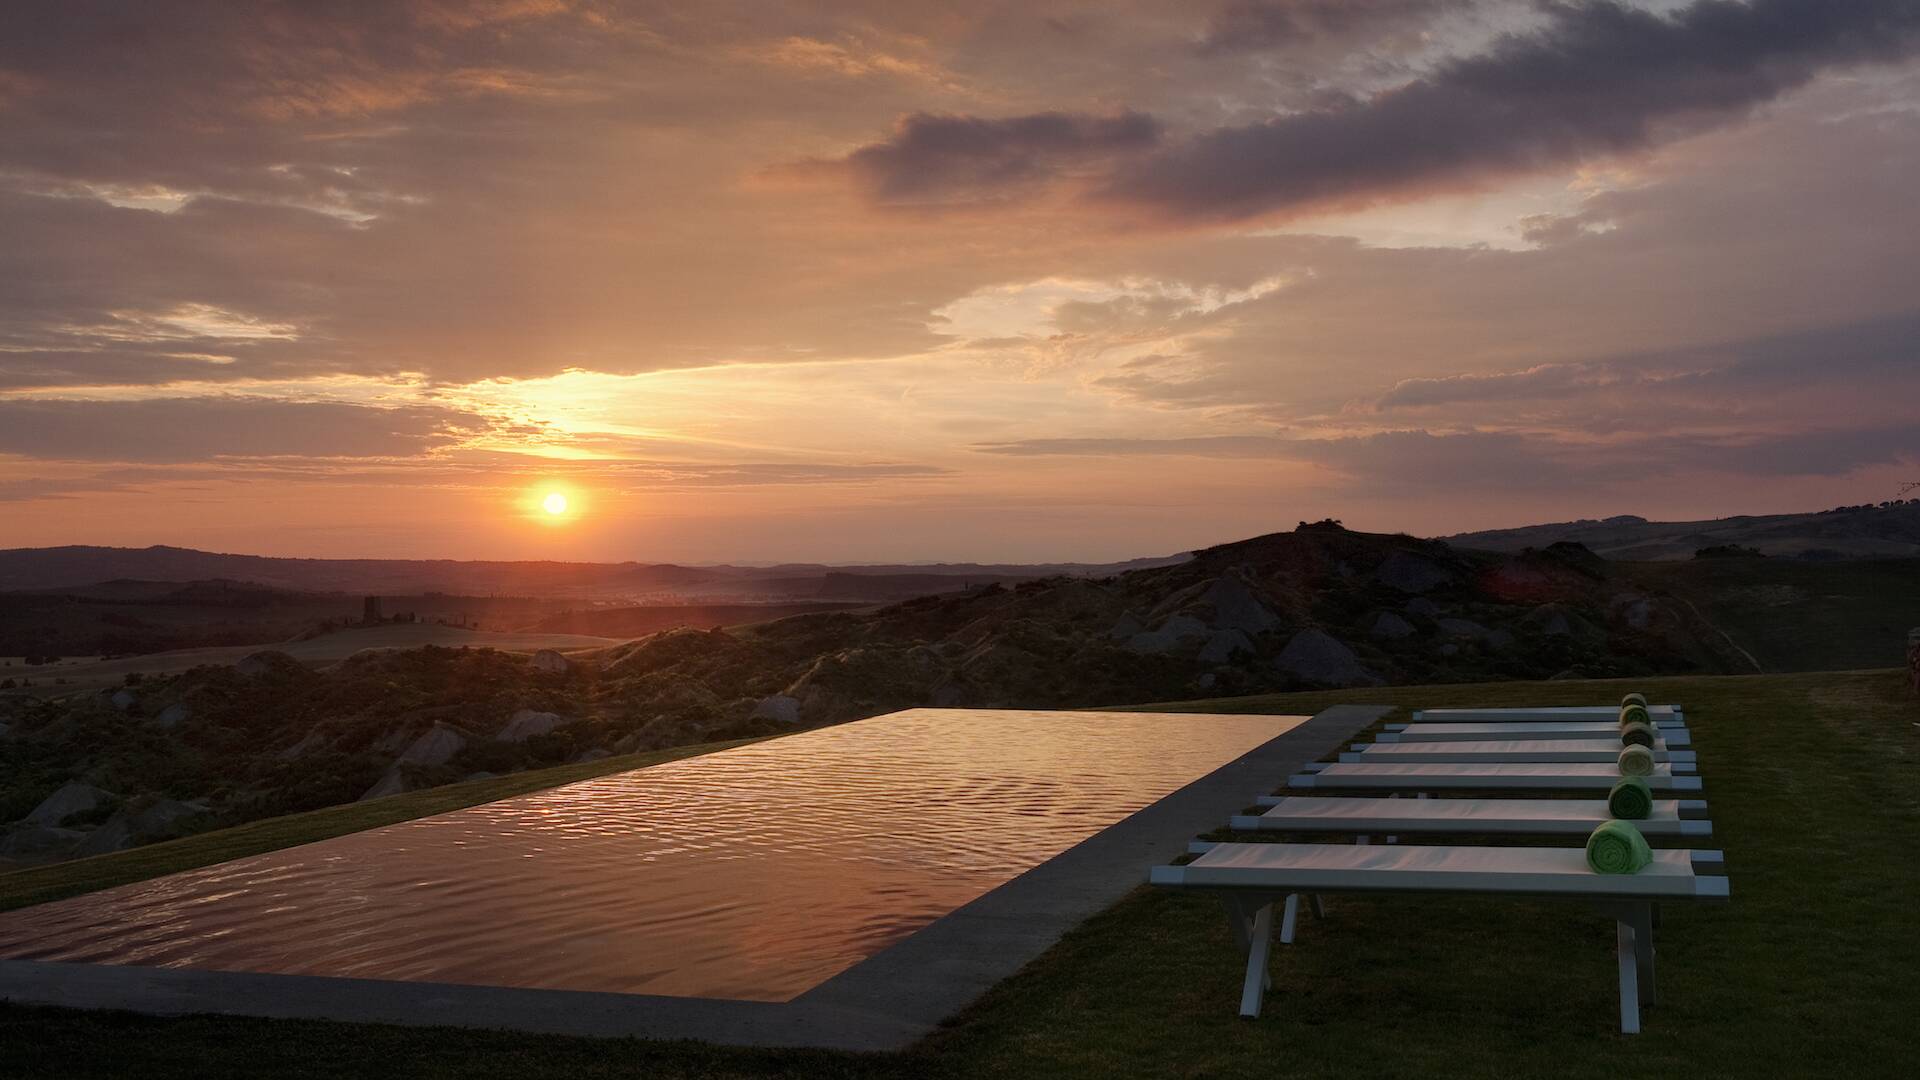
column 1635, row 714
column 1630, row 799
column 1636, row 733
column 1617, row 847
column 1634, row 699
column 1636, row 761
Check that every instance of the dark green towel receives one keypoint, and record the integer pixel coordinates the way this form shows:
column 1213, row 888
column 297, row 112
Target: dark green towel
column 1635, row 714
column 1636, row 732
column 1630, row 799
column 1636, row 761
column 1616, row 847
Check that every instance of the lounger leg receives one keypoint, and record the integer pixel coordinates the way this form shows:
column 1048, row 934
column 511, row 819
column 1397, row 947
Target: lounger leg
column 1319, row 906
column 1254, row 990
column 1288, row 920
column 1643, row 953
column 1629, row 982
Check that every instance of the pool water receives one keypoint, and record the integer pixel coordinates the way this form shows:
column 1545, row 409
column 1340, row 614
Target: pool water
column 754, row 873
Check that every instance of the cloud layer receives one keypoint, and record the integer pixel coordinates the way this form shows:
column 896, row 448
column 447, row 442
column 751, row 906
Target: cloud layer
column 1061, row 280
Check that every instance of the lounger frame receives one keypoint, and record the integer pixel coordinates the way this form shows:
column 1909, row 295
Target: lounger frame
column 1250, row 910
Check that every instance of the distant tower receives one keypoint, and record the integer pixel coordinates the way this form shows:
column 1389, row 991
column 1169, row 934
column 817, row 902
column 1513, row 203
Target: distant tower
column 372, row 613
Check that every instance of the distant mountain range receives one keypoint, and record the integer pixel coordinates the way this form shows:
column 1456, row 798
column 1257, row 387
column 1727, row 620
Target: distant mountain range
column 1886, row 530
column 71, row 567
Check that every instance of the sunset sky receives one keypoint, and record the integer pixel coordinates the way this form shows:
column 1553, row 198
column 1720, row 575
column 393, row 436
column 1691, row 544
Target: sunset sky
column 902, row 281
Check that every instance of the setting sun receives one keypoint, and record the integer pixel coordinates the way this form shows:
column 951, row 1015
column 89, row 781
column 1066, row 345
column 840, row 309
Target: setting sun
column 555, row 503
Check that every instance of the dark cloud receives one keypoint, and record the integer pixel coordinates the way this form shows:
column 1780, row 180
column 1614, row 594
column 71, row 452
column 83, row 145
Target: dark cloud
column 938, row 159
column 1883, row 352
column 1261, row 25
column 1423, row 461
column 199, row 429
column 1599, row 79
column 1213, row 446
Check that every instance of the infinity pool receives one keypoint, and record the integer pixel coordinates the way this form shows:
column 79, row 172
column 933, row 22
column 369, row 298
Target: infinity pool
column 754, row 873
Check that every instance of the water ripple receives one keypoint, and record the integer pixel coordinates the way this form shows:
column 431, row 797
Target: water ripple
column 755, row 873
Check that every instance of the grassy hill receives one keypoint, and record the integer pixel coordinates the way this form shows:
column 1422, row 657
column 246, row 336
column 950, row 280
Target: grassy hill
column 1317, row 607
column 1886, row 530
column 1796, row 616
column 1814, row 781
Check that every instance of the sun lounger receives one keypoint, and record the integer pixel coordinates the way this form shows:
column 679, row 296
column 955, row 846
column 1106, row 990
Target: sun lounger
column 1674, row 734
column 1578, row 776
column 1535, row 715
column 1251, row 878
column 1538, row 750
column 1533, row 817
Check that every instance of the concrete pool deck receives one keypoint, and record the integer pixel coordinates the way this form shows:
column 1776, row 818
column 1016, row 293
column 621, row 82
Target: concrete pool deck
column 885, row 1002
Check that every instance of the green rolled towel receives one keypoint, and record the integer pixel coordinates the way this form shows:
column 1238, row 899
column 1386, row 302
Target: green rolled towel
column 1634, row 699
column 1636, row 733
column 1636, row 761
column 1630, row 799
column 1635, row 714
column 1617, row 847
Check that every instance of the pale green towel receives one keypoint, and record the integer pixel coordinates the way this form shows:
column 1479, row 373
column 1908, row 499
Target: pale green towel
column 1630, row 799
column 1636, row 733
column 1635, row 714
column 1634, row 699
column 1616, row 847
column 1636, row 761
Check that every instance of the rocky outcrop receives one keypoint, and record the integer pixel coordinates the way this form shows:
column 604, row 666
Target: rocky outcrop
column 1469, row 630
column 1633, row 609
column 527, row 723
column 1410, row 573
column 436, row 746
column 780, row 708
column 1390, row 627
column 1549, row 620
column 1316, row 656
column 124, row 700
column 39, row 842
column 158, row 820
column 171, row 717
column 1236, row 608
column 1224, row 645
column 300, row 749
column 552, row 662
column 263, row 663
column 70, row 799
column 1127, row 626
column 1175, row 632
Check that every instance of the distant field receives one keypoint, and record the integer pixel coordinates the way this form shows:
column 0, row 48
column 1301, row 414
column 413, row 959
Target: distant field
column 632, row 622
column 314, row 652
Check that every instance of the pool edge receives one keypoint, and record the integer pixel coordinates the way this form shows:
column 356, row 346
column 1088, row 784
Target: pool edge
column 886, row 1002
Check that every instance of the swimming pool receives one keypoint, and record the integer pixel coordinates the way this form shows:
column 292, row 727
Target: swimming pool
column 751, row 874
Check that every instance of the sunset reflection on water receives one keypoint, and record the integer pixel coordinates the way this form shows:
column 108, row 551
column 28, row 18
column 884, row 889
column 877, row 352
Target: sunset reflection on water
column 754, row 873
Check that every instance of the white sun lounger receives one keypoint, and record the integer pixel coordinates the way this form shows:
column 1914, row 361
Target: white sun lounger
column 1578, row 776
column 1251, row 878
column 1534, row 715
column 1674, row 734
column 1533, row 817
column 1538, row 750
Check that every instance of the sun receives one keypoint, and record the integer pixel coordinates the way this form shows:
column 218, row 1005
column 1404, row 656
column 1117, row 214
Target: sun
column 555, row 503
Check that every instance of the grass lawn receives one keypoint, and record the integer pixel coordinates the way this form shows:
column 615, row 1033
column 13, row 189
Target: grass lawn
column 1811, row 971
